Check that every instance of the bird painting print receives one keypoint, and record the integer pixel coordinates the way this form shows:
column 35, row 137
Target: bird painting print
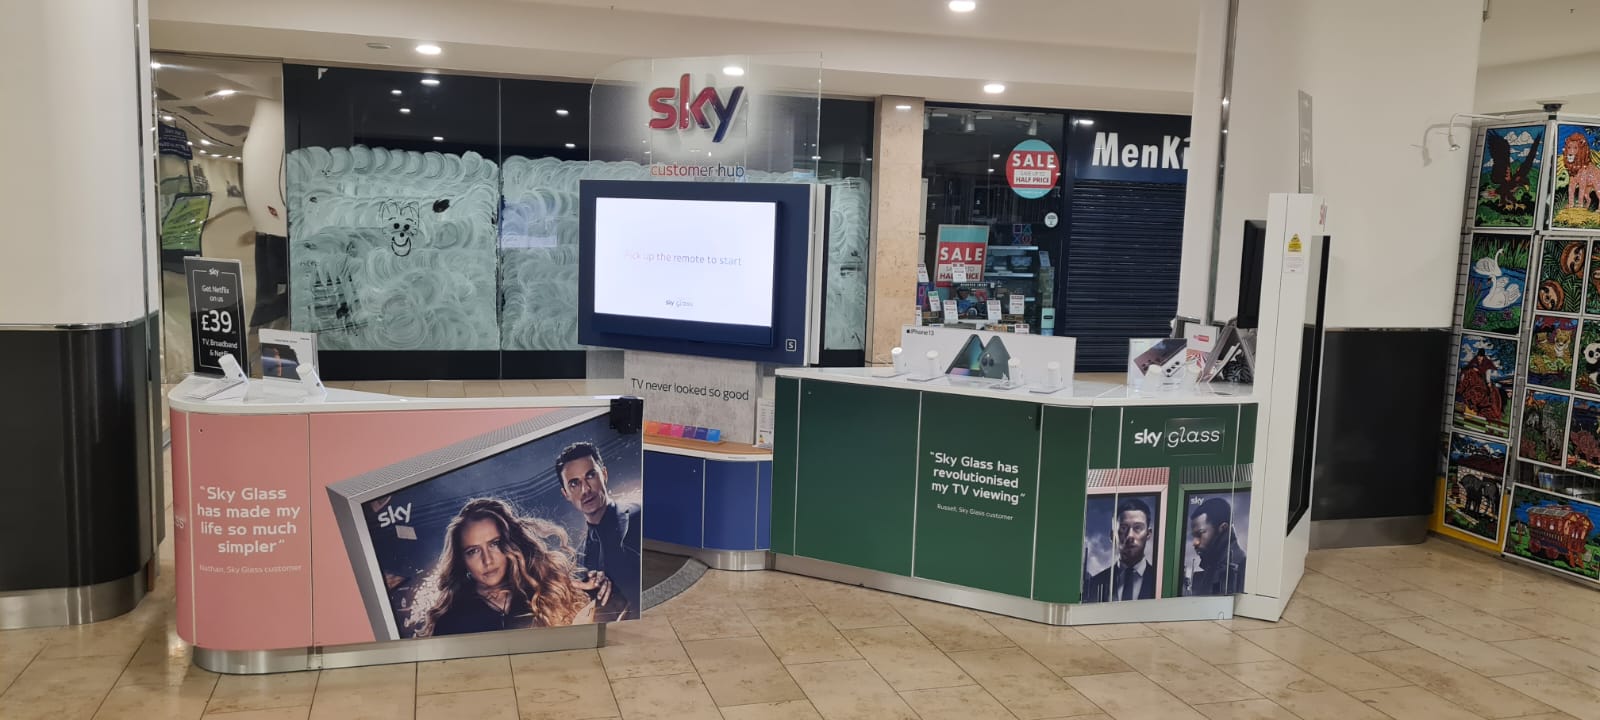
column 1508, row 176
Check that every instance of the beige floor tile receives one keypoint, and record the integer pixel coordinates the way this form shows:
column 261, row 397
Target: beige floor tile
column 1027, row 688
column 440, row 389
column 702, row 623
column 120, row 637
column 161, row 661
column 67, row 688
column 1557, row 691
column 1473, row 692
column 493, row 704
column 1212, row 643
column 482, row 388
column 1179, row 671
column 465, row 675
column 1346, row 598
column 1131, row 696
column 288, row 713
column 850, row 690
column 801, row 635
column 1246, row 710
column 1556, row 627
column 380, row 692
column 186, row 701
column 760, row 591
column 1455, row 646
column 1465, row 590
column 643, row 647
column 666, row 697
column 788, row 710
column 262, row 692
column 409, row 388
column 1339, row 628
column 1458, row 616
column 371, row 386
column 951, row 628
column 1240, row 622
column 1119, row 631
column 906, row 659
column 1300, row 693
column 17, row 649
column 1328, row 662
column 1412, row 703
column 554, row 387
column 850, row 608
column 742, row 671
column 956, row 703
column 1063, row 650
column 1565, row 659
column 565, row 685
column 1354, row 575
column 518, row 388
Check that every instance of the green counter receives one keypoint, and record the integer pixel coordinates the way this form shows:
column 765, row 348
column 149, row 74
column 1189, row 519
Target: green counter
column 1009, row 493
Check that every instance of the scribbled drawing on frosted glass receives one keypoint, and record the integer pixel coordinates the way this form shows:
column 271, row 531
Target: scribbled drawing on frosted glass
column 539, row 251
column 393, row 249
column 845, row 309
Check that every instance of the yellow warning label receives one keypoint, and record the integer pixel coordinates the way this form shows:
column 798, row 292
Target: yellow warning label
column 1294, row 243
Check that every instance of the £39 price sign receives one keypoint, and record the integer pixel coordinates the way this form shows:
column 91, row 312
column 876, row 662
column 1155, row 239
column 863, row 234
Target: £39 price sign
column 216, row 312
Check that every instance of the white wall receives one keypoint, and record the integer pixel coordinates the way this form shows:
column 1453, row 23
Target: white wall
column 72, row 247
column 1381, row 74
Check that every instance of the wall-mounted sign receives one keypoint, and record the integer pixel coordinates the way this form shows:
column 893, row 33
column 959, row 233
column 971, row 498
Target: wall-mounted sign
column 172, row 140
column 1033, row 169
column 673, row 108
column 216, row 312
column 1127, row 147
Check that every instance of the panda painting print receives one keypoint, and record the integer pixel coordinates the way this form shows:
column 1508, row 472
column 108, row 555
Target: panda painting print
column 1587, row 379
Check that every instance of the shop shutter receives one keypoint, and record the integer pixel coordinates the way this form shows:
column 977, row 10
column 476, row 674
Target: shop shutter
column 1122, row 260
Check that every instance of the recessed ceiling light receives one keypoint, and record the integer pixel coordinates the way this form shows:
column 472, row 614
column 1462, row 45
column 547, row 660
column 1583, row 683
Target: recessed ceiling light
column 572, row 146
column 204, row 141
column 166, row 118
column 224, row 92
column 902, row 107
column 991, row 169
column 431, row 82
column 191, row 143
column 733, row 71
column 816, row 157
column 378, row 45
column 428, row 49
column 1085, row 121
column 995, row 156
column 994, row 88
column 563, row 112
column 438, row 138
column 963, row 6
column 395, row 91
column 155, row 65
column 405, row 111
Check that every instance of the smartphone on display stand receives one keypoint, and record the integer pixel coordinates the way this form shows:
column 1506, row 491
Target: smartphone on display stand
column 969, row 360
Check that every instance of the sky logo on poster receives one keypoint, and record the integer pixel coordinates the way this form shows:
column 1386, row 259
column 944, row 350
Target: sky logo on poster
column 1171, row 154
column 391, row 516
column 675, row 108
column 1182, row 434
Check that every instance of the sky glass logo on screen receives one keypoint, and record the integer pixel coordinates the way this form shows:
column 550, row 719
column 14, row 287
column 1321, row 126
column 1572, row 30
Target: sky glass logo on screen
column 673, row 108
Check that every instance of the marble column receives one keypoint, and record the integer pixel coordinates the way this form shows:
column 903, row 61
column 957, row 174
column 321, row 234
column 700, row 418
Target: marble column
column 896, row 216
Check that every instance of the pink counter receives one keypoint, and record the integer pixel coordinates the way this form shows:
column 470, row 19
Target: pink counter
column 266, row 580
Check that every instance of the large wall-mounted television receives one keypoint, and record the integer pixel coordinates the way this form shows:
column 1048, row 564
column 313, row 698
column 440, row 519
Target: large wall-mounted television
column 725, row 270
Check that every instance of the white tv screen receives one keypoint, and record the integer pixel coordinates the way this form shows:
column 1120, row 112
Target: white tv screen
column 707, row 261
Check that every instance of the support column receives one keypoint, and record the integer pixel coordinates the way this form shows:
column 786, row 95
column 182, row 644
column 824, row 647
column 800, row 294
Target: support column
column 1384, row 78
column 897, row 211
column 80, row 426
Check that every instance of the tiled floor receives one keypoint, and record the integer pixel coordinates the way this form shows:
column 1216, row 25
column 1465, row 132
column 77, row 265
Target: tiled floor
column 1427, row 632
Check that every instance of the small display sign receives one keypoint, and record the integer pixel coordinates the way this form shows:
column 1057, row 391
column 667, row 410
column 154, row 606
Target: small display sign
column 963, row 245
column 1017, row 302
column 993, row 308
column 216, row 313
column 951, row 314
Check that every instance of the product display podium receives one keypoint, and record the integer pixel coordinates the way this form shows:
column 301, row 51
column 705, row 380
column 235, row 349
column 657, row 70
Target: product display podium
column 1072, row 507
column 709, row 501
column 319, row 533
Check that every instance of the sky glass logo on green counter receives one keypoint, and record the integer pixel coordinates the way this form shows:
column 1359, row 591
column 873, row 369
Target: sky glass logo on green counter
column 1184, row 436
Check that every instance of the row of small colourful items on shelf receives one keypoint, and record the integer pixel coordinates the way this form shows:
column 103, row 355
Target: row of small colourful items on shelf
column 687, row 432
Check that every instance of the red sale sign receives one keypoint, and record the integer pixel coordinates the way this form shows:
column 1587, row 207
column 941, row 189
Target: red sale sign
column 964, row 246
column 1033, row 168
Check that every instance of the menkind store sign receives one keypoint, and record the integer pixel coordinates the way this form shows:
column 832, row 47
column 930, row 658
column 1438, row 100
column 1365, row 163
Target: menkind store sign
column 707, row 119
column 1125, row 147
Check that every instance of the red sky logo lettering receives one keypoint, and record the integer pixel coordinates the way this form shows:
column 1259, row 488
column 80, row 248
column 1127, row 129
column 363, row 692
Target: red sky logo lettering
column 677, row 108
